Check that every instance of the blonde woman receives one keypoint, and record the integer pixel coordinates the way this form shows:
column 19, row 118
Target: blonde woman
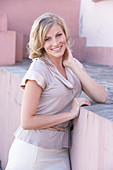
column 52, row 89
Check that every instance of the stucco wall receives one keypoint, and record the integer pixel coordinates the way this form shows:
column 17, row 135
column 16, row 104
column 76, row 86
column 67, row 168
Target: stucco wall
column 92, row 144
column 96, row 23
column 10, row 102
column 91, row 20
column 21, row 15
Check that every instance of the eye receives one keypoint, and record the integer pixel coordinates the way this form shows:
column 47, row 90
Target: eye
column 47, row 39
column 58, row 35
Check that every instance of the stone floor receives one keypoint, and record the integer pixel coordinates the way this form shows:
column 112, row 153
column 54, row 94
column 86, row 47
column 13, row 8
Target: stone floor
column 101, row 73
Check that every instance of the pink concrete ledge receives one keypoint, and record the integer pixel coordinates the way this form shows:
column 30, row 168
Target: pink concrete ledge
column 99, row 55
column 92, row 142
column 10, row 103
column 3, row 22
column 7, row 47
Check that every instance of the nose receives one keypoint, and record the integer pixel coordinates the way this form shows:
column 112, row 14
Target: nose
column 54, row 42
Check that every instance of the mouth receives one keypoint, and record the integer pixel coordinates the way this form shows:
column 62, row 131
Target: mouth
column 57, row 49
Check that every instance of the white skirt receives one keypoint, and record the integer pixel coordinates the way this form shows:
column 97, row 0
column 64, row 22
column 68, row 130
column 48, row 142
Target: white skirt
column 25, row 156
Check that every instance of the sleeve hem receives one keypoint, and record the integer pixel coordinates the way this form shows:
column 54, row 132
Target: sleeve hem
column 33, row 75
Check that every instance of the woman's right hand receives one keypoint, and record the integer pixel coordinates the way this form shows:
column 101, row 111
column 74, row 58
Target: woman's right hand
column 77, row 103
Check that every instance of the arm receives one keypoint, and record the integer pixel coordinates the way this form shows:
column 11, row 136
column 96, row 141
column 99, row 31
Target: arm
column 29, row 119
column 92, row 88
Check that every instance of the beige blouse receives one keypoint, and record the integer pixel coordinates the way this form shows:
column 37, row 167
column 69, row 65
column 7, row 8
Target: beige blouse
column 57, row 97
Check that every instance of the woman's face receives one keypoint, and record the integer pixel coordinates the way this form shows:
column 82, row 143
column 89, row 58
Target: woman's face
column 55, row 41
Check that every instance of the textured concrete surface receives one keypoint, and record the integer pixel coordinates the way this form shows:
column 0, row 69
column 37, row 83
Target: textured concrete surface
column 104, row 75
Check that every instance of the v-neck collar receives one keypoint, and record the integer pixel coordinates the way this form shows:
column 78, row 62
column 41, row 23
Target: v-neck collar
column 67, row 82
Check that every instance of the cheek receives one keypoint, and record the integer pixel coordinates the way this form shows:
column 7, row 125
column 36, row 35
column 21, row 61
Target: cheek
column 46, row 46
column 64, row 39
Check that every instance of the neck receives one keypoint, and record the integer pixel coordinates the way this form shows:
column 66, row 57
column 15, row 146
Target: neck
column 56, row 61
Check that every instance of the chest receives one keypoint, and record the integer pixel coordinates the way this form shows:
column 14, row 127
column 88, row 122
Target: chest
column 59, row 86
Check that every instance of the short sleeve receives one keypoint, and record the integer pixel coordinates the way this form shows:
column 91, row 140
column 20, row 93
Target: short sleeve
column 35, row 72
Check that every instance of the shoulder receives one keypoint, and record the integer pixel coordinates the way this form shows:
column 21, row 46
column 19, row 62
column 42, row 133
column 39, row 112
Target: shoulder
column 37, row 64
column 37, row 71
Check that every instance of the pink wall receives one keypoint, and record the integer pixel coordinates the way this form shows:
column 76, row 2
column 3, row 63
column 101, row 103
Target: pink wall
column 7, row 47
column 21, row 14
column 99, row 55
column 96, row 25
column 30, row 10
column 92, row 144
column 10, row 102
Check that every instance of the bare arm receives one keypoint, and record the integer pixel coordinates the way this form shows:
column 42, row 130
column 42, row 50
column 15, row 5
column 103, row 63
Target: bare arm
column 29, row 119
column 92, row 88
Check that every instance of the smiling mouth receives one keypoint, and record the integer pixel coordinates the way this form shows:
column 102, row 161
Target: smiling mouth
column 57, row 49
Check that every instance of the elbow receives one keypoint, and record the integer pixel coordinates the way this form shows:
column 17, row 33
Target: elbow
column 104, row 97
column 28, row 124
column 25, row 125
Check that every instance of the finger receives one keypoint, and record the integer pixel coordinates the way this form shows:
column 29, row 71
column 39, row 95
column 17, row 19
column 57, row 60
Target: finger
column 81, row 101
column 85, row 103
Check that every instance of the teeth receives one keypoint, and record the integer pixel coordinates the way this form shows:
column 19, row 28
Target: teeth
column 55, row 49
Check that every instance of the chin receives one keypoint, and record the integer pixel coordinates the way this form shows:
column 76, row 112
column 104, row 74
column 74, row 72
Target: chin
column 58, row 55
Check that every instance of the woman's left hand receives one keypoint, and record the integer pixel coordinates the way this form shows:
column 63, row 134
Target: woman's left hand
column 68, row 59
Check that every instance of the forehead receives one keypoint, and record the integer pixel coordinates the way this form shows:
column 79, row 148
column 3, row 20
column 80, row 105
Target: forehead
column 54, row 29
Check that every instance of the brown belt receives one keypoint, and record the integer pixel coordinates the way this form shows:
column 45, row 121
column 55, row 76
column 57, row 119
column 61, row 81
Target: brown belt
column 57, row 128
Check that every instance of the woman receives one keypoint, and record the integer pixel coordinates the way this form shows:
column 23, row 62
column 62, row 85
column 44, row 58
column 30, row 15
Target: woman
column 52, row 88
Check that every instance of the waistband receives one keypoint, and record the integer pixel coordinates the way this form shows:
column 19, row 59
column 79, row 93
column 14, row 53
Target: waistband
column 62, row 129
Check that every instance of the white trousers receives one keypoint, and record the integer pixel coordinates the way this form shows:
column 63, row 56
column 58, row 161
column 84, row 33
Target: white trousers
column 25, row 156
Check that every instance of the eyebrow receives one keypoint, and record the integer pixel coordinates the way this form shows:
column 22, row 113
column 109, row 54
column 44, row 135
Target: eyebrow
column 55, row 34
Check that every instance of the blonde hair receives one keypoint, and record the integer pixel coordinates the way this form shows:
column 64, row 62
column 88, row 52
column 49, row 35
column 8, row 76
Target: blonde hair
column 39, row 30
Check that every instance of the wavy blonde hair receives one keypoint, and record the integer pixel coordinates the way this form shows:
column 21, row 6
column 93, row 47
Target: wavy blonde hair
column 39, row 30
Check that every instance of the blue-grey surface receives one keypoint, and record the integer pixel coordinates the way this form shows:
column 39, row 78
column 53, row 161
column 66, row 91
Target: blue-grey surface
column 104, row 75
column 101, row 73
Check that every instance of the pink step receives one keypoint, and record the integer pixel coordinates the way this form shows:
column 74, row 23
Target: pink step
column 7, row 47
column 99, row 55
